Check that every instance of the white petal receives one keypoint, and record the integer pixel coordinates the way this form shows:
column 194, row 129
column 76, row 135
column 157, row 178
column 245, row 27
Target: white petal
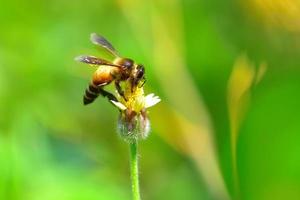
column 151, row 100
column 119, row 105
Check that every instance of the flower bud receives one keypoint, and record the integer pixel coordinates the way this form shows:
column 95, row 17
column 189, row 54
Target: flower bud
column 133, row 126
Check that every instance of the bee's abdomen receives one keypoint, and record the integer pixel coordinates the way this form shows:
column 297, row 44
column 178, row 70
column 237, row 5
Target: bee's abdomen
column 91, row 93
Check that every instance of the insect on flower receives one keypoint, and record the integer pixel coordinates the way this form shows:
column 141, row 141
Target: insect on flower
column 130, row 99
column 118, row 70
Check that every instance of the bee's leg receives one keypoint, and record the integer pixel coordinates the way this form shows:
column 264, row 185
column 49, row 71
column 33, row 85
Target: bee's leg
column 109, row 95
column 143, row 83
column 139, row 76
column 119, row 89
column 133, row 85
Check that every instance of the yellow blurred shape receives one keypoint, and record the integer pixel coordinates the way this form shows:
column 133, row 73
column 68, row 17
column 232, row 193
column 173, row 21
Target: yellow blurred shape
column 242, row 78
column 277, row 13
column 239, row 84
column 260, row 72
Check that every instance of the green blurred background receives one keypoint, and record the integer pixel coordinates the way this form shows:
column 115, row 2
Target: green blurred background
column 228, row 76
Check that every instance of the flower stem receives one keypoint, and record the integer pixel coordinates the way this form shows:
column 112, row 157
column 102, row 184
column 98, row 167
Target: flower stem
column 134, row 171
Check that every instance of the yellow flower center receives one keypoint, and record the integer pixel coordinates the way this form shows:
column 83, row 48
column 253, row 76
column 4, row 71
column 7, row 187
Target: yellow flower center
column 135, row 99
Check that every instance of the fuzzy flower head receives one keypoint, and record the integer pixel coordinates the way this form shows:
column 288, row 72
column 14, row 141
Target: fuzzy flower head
column 133, row 121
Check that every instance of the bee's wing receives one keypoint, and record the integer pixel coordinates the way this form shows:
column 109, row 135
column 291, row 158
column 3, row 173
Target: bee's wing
column 101, row 41
column 92, row 60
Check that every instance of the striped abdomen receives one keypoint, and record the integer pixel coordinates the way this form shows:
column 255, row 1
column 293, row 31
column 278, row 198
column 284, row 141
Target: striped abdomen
column 91, row 93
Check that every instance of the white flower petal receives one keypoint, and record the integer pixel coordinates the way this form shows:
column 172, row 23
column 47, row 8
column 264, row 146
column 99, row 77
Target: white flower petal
column 119, row 105
column 151, row 100
column 151, row 95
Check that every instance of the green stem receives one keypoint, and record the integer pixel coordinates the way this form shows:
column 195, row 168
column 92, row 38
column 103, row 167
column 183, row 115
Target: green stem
column 134, row 171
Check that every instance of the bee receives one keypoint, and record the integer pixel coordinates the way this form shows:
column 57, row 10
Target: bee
column 118, row 70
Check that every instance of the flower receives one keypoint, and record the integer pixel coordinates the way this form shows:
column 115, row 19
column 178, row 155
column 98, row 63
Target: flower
column 133, row 121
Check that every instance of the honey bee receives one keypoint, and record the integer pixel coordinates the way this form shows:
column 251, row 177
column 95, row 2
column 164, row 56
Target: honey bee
column 118, row 70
